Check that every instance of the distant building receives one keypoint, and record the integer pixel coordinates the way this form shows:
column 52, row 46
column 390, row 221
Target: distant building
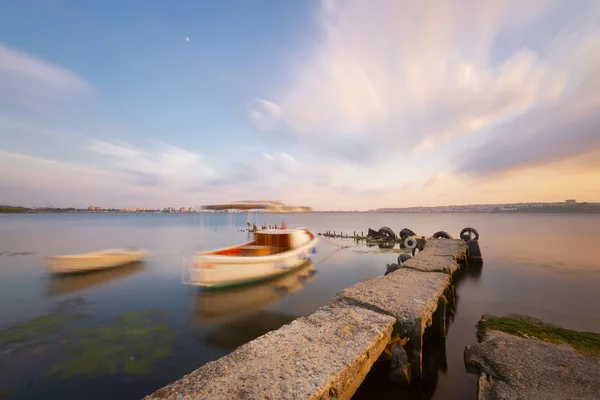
column 92, row 208
column 191, row 209
column 570, row 201
column 182, row 209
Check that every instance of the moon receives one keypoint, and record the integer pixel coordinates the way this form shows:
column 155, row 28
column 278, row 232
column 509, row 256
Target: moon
column 187, row 39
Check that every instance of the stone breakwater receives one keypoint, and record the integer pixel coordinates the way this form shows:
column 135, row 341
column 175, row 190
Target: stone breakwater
column 327, row 355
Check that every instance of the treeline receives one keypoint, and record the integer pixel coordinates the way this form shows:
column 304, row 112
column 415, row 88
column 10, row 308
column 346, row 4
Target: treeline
column 6, row 209
column 14, row 209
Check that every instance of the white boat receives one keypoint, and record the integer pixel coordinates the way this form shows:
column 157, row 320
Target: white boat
column 94, row 261
column 272, row 253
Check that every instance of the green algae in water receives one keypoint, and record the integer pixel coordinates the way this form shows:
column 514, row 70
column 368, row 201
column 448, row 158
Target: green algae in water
column 587, row 343
column 131, row 346
column 38, row 328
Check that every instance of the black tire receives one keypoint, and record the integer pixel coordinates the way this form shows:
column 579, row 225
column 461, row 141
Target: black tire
column 404, row 233
column 442, row 235
column 465, row 234
column 387, row 232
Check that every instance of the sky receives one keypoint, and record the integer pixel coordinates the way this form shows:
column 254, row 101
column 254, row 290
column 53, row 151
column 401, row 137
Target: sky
column 336, row 105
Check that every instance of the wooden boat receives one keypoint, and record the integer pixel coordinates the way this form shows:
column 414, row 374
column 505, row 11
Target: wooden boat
column 94, row 261
column 272, row 253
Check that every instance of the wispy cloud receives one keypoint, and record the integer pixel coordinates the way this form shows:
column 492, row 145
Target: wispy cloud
column 554, row 131
column 430, row 76
column 264, row 114
column 168, row 166
column 30, row 81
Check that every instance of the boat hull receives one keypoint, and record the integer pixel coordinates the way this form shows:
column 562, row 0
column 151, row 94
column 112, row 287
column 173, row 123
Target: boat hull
column 218, row 272
column 251, row 282
column 92, row 262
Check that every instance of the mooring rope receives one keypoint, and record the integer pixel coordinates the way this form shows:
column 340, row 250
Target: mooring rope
column 328, row 256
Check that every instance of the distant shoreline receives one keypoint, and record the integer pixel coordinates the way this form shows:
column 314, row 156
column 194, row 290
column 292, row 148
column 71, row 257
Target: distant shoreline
column 320, row 212
column 568, row 207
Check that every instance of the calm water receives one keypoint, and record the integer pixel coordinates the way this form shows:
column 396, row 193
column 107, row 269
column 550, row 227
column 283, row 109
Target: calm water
column 124, row 333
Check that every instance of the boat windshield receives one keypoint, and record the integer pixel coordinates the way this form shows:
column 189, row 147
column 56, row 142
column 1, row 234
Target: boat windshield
column 281, row 241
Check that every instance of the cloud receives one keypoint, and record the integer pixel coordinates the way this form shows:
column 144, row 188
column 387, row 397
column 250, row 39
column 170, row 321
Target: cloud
column 398, row 103
column 29, row 81
column 38, row 181
column 169, row 166
column 431, row 76
column 555, row 131
column 122, row 176
column 264, row 114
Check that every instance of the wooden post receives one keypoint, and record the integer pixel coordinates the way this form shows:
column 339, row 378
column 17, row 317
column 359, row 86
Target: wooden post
column 416, row 342
column 439, row 317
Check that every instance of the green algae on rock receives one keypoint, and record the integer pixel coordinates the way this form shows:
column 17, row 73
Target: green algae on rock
column 587, row 343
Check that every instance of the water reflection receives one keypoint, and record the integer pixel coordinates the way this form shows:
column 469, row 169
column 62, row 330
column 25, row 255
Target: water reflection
column 230, row 336
column 59, row 285
column 215, row 306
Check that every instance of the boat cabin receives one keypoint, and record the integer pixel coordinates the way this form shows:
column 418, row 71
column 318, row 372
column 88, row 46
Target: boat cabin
column 268, row 242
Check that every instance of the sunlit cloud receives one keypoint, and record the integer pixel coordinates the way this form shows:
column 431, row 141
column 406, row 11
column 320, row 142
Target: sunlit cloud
column 435, row 78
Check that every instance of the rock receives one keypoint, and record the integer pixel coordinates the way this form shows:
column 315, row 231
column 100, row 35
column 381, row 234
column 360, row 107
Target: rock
column 402, row 258
column 516, row 367
column 391, row 268
column 400, row 366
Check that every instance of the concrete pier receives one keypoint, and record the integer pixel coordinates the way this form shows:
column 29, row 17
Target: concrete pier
column 328, row 354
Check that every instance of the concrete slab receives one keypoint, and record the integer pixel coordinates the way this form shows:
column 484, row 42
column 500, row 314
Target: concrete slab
column 425, row 262
column 516, row 367
column 323, row 356
column 409, row 295
column 454, row 248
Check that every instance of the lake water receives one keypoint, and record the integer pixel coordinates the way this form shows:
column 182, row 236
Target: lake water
column 124, row 333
